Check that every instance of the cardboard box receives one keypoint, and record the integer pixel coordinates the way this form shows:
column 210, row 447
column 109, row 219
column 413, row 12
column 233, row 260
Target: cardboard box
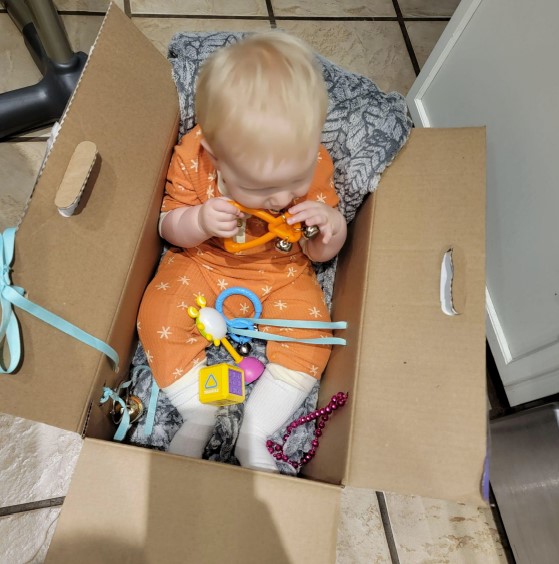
column 416, row 419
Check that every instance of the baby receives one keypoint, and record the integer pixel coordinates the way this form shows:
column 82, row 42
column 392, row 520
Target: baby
column 260, row 106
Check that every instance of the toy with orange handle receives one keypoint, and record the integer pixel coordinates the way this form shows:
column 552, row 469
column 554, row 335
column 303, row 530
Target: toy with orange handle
column 277, row 228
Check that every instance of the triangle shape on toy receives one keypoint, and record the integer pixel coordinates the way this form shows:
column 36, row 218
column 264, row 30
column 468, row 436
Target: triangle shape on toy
column 211, row 382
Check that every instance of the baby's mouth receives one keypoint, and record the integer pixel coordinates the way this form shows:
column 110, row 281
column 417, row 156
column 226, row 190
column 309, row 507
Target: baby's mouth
column 277, row 212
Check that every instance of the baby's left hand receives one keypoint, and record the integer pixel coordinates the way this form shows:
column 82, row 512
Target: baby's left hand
column 310, row 213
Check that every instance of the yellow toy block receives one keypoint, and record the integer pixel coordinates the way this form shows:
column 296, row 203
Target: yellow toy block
column 222, row 384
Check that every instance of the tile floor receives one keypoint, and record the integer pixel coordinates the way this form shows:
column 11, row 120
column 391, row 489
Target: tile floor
column 386, row 40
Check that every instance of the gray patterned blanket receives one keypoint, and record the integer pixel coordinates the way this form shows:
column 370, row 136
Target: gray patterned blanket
column 364, row 130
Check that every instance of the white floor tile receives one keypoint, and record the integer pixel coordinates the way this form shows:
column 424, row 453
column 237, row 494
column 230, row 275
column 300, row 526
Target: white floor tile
column 16, row 65
column 429, row 530
column 25, row 537
column 23, row 161
column 428, row 8
column 205, row 7
column 361, row 538
column 424, row 36
column 334, row 8
column 87, row 5
column 373, row 49
column 160, row 31
column 36, row 460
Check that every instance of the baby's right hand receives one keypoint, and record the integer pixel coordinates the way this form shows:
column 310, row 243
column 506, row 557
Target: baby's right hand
column 218, row 218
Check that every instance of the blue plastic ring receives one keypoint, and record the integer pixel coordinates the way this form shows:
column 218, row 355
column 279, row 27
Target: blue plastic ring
column 239, row 323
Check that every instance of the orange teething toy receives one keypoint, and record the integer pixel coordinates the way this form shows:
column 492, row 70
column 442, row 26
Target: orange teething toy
column 277, row 227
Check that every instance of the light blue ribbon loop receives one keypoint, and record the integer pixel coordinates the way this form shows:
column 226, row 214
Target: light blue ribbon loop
column 152, row 407
column 124, row 424
column 15, row 296
column 291, row 323
column 295, row 323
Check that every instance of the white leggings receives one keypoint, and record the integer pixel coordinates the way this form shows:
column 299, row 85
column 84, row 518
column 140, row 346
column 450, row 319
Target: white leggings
column 273, row 400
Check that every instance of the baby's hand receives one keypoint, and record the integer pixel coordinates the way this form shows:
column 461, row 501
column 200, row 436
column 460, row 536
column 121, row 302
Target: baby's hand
column 326, row 218
column 218, row 218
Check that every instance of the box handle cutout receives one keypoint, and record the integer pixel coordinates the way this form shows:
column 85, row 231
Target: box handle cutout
column 75, row 178
column 447, row 277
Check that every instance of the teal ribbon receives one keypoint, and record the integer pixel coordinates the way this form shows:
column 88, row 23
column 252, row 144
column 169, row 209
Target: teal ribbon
column 154, row 396
column 292, row 323
column 11, row 295
column 124, row 424
column 152, row 407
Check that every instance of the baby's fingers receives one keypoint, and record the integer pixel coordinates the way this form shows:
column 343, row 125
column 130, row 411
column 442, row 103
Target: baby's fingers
column 326, row 233
column 227, row 229
column 226, row 205
column 309, row 217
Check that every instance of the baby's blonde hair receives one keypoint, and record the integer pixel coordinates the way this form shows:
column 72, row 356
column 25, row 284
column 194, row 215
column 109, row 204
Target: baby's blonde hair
column 265, row 95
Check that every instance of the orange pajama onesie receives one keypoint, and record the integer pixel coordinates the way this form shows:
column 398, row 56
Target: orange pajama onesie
column 284, row 282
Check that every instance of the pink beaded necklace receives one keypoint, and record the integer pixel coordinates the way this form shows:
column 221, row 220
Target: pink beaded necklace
column 323, row 414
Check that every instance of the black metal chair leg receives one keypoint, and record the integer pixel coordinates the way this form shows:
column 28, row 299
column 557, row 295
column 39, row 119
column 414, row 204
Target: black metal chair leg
column 43, row 103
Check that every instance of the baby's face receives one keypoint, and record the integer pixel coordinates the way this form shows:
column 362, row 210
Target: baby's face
column 268, row 186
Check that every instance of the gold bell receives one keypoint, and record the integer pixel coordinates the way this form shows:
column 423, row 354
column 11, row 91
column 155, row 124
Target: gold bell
column 310, row 231
column 134, row 406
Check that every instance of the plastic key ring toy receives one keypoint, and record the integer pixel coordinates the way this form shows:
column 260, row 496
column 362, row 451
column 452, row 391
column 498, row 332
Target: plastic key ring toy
column 277, row 227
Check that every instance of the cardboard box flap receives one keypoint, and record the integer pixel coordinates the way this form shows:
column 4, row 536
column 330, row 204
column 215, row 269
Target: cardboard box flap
column 419, row 403
column 132, row 504
column 92, row 268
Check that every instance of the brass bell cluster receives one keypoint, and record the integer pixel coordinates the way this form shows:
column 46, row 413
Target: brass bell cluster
column 309, row 232
column 134, row 406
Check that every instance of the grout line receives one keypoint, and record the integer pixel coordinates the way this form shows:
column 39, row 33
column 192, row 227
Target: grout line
column 360, row 19
column 271, row 14
column 199, row 17
column 339, row 18
column 426, row 18
column 387, row 526
column 273, row 18
column 20, row 508
column 407, row 39
column 81, row 13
